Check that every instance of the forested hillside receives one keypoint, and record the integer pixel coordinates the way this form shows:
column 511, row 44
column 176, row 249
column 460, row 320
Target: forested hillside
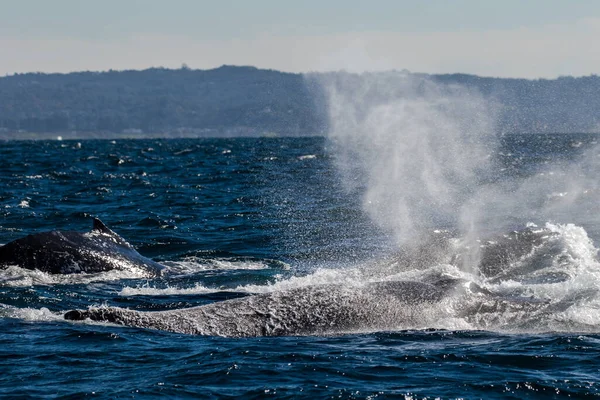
column 226, row 100
column 246, row 101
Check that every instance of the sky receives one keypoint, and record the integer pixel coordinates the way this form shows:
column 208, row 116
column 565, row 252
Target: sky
column 508, row 38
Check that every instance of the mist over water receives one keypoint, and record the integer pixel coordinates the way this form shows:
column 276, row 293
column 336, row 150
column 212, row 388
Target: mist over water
column 563, row 191
column 521, row 214
column 414, row 150
column 425, row 156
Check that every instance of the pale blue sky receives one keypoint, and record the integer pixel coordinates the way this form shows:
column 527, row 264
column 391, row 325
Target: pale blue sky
column 501, row 38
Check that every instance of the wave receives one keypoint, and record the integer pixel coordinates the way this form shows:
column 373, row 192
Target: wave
column 14, row 276
column 194, row 264
column 30, row 314
column 149, row 290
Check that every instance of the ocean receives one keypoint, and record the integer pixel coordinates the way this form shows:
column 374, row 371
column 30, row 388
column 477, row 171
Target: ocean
column 232, row 218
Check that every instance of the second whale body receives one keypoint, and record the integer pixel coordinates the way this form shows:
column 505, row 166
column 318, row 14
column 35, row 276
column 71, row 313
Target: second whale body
column 68, row 252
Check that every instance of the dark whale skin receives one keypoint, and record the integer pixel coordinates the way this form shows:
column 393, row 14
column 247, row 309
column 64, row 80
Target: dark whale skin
column 313, row 310
column 69, row 252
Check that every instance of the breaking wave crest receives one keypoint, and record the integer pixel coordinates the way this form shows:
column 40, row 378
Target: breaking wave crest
column 30, row 314
column 194, row 264
column 16, row 276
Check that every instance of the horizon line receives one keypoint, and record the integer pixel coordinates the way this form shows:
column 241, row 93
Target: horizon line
column 185, row 67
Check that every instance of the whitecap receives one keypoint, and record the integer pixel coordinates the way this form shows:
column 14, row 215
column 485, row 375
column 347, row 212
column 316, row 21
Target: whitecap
column 15, row 276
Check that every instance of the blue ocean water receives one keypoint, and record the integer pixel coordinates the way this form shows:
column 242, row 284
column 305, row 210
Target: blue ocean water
column 235, row 217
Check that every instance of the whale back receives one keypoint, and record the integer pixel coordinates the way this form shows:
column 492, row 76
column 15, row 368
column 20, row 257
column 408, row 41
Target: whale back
column 315, row 310
column 99, row 227
column 65, row 252
column 321, row 309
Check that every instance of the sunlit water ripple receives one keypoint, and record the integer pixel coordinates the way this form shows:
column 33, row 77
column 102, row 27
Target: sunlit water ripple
column 236, row 217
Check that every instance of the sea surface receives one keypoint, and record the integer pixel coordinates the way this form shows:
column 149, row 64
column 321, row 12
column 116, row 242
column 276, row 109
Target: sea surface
column 237, row 217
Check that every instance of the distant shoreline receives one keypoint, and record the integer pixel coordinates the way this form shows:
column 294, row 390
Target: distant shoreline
column 66, row 136
column 81, row 136
column 250, row 102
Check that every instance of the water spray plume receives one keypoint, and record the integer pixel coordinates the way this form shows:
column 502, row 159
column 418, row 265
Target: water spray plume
column 414, row 149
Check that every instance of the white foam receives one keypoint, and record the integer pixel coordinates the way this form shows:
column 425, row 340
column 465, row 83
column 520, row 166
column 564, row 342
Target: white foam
column 518, row 304
column 31, row 314
column 15, row 276
column 149, row 290
column 349, row 277
column 193, row 264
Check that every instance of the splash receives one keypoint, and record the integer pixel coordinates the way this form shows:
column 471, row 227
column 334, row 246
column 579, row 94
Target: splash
column 414, row 149
column 425, row 156
column 149, row 290
column 193, row 264
column 562, row 191
column 30, row 314
column 14, row 276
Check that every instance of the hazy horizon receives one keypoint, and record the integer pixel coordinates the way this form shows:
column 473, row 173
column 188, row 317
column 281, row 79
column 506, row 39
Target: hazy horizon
column 535, row 39
column 185, row 66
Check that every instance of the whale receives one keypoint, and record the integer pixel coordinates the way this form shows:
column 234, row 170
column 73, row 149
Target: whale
column 71, row 252
column 323, row 310
column 312, row 310
column 338, row 309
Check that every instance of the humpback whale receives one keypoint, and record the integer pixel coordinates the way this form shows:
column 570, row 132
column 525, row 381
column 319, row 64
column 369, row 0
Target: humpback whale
column 68, row 252
column 314, row 310
column 337, row 309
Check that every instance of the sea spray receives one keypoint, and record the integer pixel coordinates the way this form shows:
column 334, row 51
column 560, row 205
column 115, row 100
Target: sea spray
column 562, row 191
column 415, row 150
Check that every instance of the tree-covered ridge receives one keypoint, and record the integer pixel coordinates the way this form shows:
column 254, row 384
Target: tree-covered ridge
column 227, row 99
column 250, row 101
column 565, row 104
